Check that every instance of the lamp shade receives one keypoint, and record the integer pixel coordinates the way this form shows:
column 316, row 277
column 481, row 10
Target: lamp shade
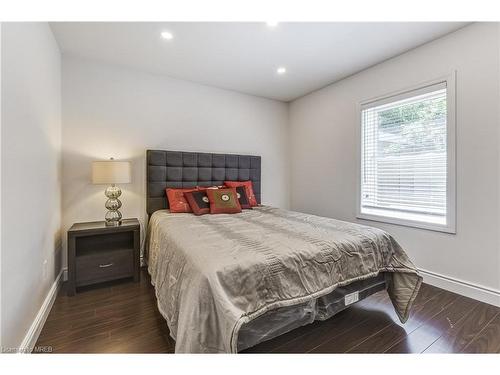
column 110, row 172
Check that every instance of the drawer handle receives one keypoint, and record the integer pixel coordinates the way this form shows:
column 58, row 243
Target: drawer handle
column 105, row 265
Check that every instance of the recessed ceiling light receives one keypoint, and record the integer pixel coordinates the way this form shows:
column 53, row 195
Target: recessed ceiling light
column 167, row 35
column 281, row 70
column 272, row 23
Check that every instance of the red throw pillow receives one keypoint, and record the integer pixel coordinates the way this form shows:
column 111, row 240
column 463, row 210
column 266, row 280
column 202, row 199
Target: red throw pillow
column 248, row 188
column 198, row 201
column 223, row 201
column 176, row 200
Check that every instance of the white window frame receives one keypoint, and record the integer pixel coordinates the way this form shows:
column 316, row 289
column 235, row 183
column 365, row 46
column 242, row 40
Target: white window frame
column 450, row 226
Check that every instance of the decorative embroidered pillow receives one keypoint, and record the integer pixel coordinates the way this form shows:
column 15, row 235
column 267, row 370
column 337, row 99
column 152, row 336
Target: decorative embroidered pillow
column 223, row 201
column 198, row 201
column 243, row 198
column 248, row 189
column 176, row 200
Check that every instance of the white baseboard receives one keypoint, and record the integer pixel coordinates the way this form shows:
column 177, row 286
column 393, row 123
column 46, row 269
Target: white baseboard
column 36, row 327
column 467, row 289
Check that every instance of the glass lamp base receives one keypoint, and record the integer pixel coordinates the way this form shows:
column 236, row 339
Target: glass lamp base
column 113, row 216
column 113, row 223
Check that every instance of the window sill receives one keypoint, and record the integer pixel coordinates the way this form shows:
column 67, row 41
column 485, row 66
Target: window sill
column 407, row 223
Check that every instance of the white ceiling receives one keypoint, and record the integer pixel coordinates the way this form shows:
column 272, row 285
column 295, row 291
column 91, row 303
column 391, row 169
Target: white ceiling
column 244, row 56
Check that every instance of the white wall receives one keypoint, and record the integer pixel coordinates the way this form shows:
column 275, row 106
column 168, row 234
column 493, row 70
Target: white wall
column 31, row 196
column 323, row 128
column 110, row 111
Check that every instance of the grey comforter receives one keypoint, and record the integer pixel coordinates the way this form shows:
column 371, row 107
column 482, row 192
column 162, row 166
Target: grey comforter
column 214, row 273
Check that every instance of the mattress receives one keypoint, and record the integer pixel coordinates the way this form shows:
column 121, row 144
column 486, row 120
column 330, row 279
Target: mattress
column 216, row 275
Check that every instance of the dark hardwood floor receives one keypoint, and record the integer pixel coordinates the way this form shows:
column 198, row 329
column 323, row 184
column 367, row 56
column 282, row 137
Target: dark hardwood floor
column 122, row 317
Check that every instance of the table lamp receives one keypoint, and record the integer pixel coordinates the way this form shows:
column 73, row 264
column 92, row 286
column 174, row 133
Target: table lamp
column 111, row 172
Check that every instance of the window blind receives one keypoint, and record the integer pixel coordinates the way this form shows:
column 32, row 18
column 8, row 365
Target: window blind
column 404, row 156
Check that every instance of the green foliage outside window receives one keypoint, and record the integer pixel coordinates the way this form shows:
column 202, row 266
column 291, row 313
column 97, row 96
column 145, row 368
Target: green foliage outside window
column 414, row 126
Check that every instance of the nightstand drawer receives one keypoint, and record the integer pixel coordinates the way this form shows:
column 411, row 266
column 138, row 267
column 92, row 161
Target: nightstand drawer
column 104, row 266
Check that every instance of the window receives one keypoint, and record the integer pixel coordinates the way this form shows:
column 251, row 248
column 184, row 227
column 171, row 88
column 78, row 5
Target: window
column 407, row 158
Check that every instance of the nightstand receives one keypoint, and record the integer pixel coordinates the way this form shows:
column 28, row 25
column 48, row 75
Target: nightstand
column 98, row 253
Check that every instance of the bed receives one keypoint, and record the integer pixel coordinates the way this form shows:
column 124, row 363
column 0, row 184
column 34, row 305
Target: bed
column 224, row 282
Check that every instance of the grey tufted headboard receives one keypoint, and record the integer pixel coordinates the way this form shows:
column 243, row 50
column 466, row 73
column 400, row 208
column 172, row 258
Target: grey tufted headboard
column 177, row 169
